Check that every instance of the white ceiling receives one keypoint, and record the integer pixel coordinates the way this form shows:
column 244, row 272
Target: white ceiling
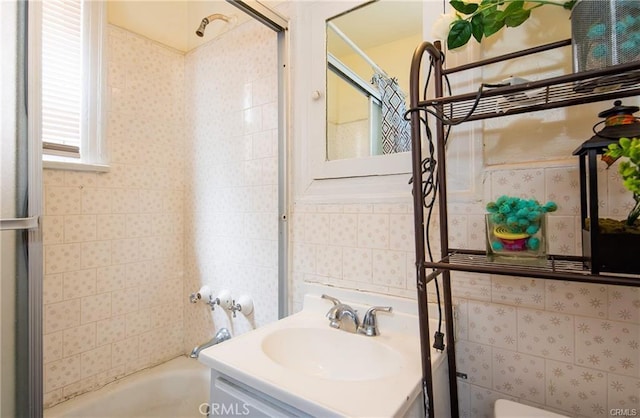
column 173, row 23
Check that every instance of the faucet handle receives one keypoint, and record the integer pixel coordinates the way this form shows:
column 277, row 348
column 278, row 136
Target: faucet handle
column 331, row 314
column 369, row 325
column 335, row 301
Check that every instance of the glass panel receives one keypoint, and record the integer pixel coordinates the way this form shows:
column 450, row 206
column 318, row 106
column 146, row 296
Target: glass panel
column 7, row 325
column 348, row 127
column 8, row 210
column 367, row 78
column 17, row 364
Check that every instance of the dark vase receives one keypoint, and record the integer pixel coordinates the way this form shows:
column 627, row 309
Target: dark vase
column 617, row 252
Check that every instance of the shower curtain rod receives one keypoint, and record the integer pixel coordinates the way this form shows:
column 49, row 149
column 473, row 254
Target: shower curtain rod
column 356, row 48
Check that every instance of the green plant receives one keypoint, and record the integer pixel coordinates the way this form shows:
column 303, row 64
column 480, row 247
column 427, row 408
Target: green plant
column 484, row 18
column 629, row 170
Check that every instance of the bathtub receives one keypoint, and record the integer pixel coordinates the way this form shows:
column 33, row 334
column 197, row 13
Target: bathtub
column 173, row 389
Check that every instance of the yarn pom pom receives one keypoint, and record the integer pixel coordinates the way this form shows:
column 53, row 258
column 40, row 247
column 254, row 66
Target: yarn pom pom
column 532, row 229
column 497, row 246
column 533, row 244
column 498, row 218
column 533, row 215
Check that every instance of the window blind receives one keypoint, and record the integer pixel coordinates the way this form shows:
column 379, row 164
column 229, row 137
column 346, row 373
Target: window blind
column 62, row 77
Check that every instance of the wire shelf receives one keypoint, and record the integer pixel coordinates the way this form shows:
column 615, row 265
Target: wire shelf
column 613, row 82
column 554, row 267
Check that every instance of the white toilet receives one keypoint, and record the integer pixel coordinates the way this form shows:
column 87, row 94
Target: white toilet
column 509, row 409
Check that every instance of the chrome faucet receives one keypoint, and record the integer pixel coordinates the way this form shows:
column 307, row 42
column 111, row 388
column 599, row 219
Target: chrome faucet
column 369, row 325
column 222, row 335
column 344, row 317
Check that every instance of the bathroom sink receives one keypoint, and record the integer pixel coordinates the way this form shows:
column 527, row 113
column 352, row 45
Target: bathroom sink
column 300, row 362
column 331, row 354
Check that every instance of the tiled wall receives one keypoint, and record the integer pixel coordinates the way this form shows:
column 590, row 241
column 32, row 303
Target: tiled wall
column 231, row 194
column 113, row 242
column 568, row 347
column 196, row 195
column 360, row 246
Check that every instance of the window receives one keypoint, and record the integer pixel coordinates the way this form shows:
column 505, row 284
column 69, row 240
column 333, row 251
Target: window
column 72, row 82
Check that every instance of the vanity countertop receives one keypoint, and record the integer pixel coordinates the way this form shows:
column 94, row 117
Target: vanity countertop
column 388, row 393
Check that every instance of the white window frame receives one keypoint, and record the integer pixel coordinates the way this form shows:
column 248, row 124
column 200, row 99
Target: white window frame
column 93, row 147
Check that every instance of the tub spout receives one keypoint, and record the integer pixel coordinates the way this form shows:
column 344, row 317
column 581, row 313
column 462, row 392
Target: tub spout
column 222, row 335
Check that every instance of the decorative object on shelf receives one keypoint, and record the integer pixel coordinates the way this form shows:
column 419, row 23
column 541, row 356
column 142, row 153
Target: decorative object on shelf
column 483, row 19
column 607, row 245
column 630, row 172
column 605, row 33
column 516, row 229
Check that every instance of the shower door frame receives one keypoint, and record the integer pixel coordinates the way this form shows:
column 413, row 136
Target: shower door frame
column 280, row 25
column 27, row 264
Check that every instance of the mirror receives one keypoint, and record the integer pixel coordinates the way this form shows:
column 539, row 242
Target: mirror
column 369, row 52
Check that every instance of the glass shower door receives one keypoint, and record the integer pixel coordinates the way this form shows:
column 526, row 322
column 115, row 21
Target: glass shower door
column 20, row 237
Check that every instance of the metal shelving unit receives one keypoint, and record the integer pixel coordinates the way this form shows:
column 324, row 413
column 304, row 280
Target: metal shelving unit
column 567, row 90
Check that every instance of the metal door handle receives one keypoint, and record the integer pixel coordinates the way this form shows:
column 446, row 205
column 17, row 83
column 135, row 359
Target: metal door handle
column 9, row 224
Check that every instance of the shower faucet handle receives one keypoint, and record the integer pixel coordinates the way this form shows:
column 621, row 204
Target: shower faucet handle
column 235, row 307
column 244, row 305
column 213, row 302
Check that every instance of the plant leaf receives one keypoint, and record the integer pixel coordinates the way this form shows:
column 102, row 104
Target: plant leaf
column 459, row 34
column 516, row 18
column 462, row 7
column 625, row 143
column 477, row 27
column 513, row 6
column 569, row 5
column 614, row 151
column 492, row 22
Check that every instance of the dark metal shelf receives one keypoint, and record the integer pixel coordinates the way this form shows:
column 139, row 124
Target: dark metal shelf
column 555, row 267
column 610, row 83
column 567, row 90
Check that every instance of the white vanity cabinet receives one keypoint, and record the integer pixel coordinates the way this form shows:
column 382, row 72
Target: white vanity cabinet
column 229, row 397
column 301, row 367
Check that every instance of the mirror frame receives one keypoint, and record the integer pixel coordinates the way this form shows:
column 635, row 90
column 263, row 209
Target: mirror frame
column 376, row 179
column 321, row 167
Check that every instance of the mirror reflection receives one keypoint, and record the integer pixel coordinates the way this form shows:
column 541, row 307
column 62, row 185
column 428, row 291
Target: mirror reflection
column 369, row 52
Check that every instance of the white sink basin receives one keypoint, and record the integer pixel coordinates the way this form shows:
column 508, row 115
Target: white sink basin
column 305, row 364
column 331, row 354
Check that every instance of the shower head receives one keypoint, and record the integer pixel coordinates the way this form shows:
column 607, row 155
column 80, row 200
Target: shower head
column 207, row 20
column 203, row 24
